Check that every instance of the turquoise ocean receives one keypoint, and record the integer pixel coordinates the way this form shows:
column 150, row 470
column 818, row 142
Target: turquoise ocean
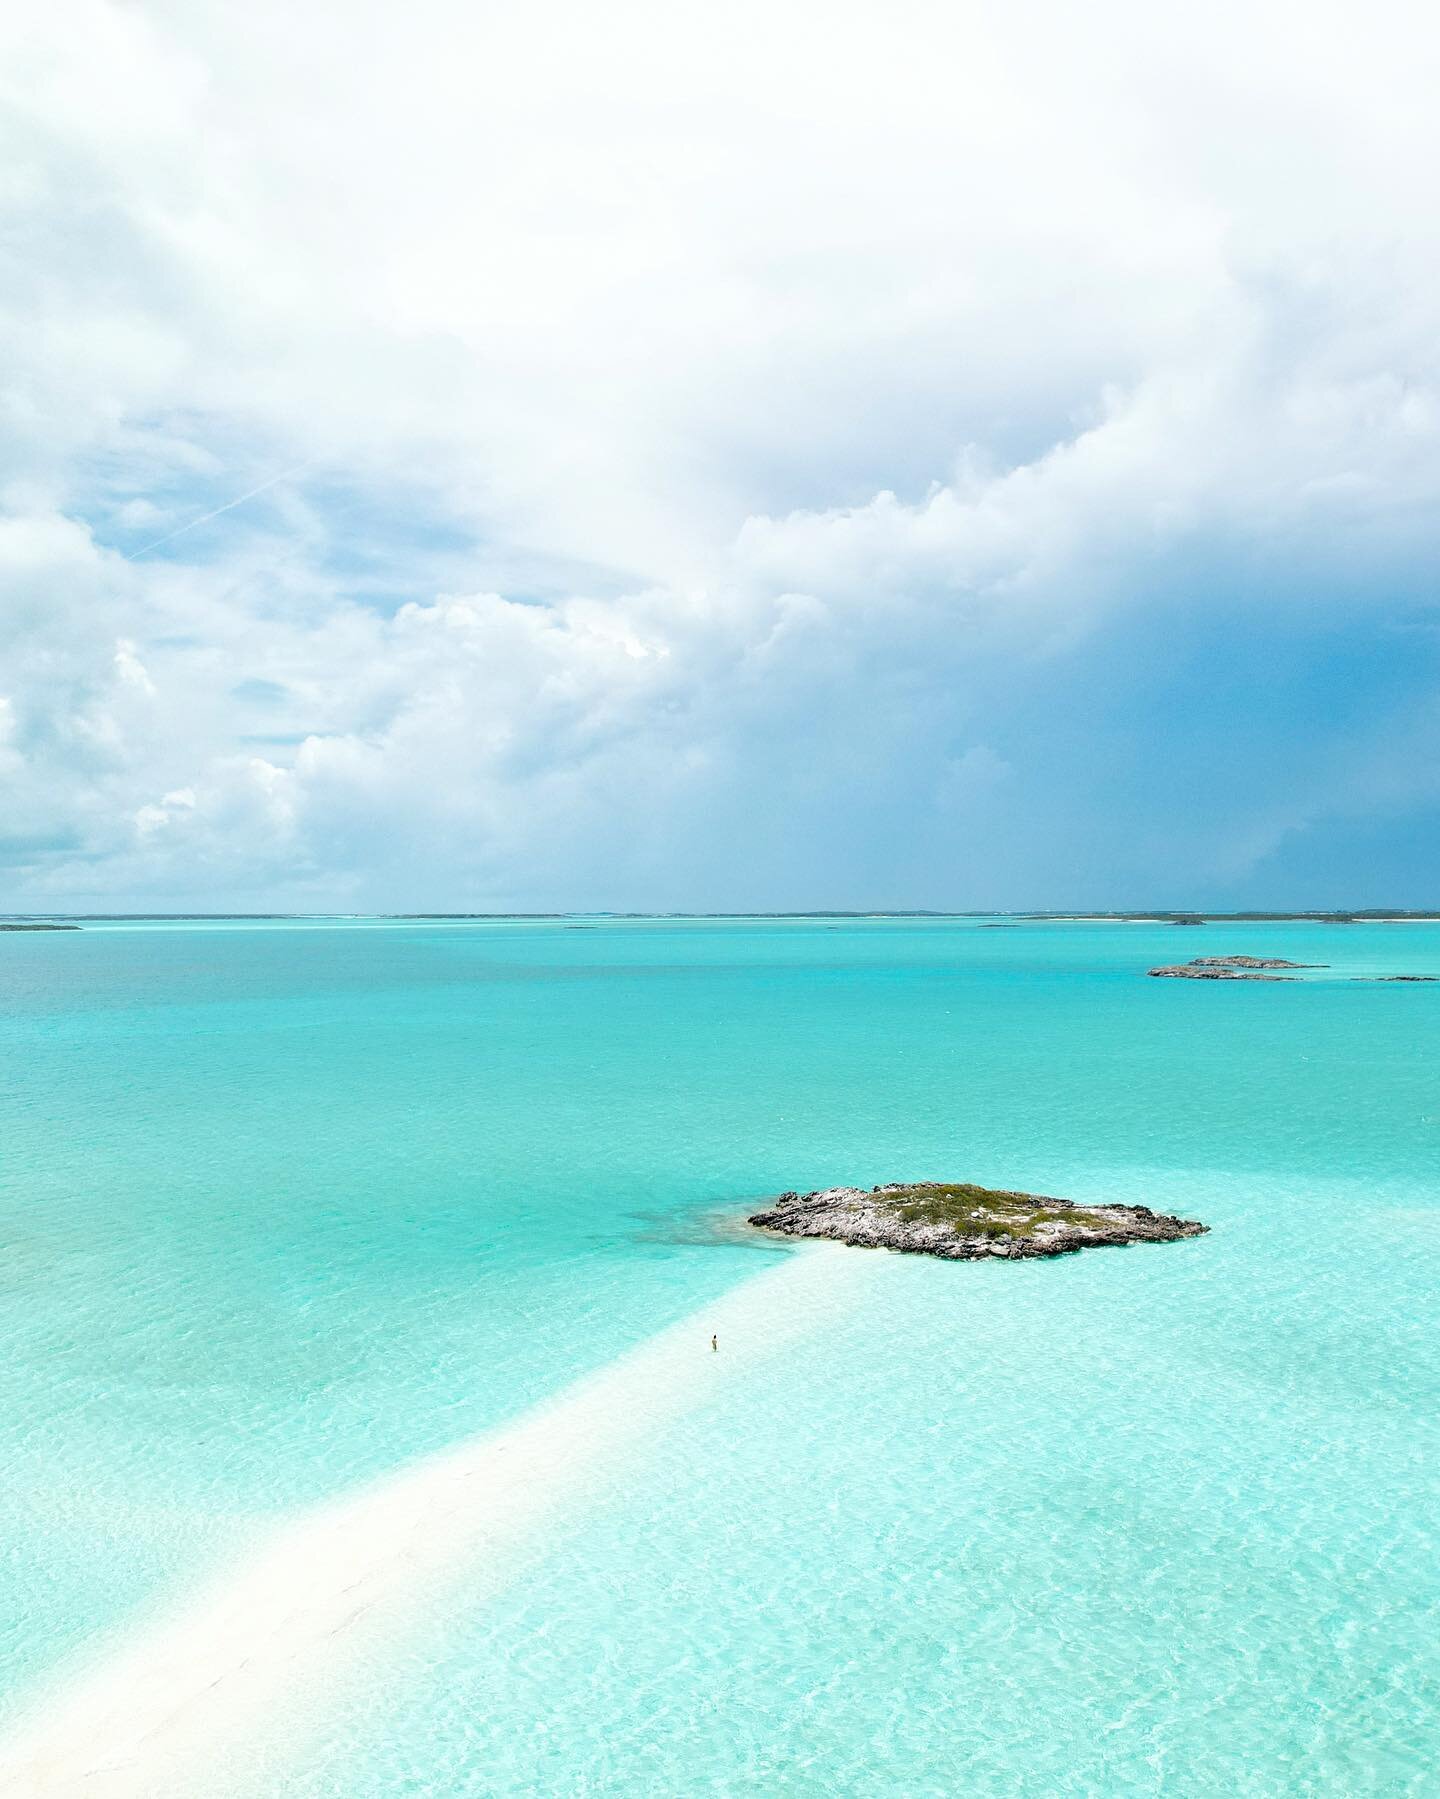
column 286, row 1207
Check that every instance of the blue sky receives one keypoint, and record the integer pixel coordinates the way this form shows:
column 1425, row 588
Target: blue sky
column 718, row 458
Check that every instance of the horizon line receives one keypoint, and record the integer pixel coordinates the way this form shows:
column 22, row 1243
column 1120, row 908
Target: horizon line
column 1160, row 915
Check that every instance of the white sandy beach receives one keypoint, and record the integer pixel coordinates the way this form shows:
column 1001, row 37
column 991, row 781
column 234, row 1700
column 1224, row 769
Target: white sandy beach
column 162, row 1712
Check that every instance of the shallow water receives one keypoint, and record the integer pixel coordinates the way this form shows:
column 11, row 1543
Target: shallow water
column 286, row 1206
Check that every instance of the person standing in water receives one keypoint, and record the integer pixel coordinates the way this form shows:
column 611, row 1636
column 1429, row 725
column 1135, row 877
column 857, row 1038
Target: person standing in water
column 715, row 1345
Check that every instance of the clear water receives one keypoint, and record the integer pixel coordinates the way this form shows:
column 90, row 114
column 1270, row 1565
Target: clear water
column 284, row 1207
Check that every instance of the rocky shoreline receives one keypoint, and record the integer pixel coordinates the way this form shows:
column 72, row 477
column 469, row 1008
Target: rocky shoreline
column 962, row 1222
column 1257, row 968
column 1230, row 968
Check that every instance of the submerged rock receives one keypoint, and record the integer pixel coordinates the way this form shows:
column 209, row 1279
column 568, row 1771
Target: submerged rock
column 962, row 1222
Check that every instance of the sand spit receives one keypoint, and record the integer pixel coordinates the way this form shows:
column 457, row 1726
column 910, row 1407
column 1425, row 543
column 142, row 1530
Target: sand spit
column 168, row 1709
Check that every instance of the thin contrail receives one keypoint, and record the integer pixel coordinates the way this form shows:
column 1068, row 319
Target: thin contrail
column 205, row 517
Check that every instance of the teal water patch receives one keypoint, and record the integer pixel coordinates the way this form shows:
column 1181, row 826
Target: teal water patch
column 285, row 1206
column 1154, row 1521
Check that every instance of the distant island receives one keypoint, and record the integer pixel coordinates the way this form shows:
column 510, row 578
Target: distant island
column 39, row 927
column 1367, row 915
column 987, row 920
column 1257, row 968
column 962, row 1222
column 1230, row 968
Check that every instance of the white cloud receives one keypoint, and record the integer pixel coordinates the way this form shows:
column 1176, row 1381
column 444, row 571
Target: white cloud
column 172, row 806
column 804, row 380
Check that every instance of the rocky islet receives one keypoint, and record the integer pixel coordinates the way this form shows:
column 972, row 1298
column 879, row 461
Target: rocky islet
column 959, row 1221
column 1259, row 968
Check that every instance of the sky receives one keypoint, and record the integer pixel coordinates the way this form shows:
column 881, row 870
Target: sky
column 459, row 456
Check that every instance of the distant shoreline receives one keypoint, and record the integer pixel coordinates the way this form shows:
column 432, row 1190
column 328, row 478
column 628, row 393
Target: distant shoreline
column 59, row 921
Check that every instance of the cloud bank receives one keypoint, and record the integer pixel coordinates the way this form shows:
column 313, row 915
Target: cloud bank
column 932, row 456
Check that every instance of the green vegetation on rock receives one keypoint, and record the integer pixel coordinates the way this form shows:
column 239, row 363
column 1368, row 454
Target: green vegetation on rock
column 981, row 1211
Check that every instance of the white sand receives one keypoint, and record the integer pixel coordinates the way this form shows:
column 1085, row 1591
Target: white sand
column 165, row 1711
column 1095, row 918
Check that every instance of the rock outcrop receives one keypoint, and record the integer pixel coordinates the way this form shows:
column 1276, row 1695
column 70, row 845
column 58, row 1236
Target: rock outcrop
column 1254, row 968
column 962, row 1222
column 1230, row 968
column 1252, row 962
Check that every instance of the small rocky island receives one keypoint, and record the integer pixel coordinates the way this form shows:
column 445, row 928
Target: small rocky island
column 1230, row 968
column 1258, row 968
column 962, row 1222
